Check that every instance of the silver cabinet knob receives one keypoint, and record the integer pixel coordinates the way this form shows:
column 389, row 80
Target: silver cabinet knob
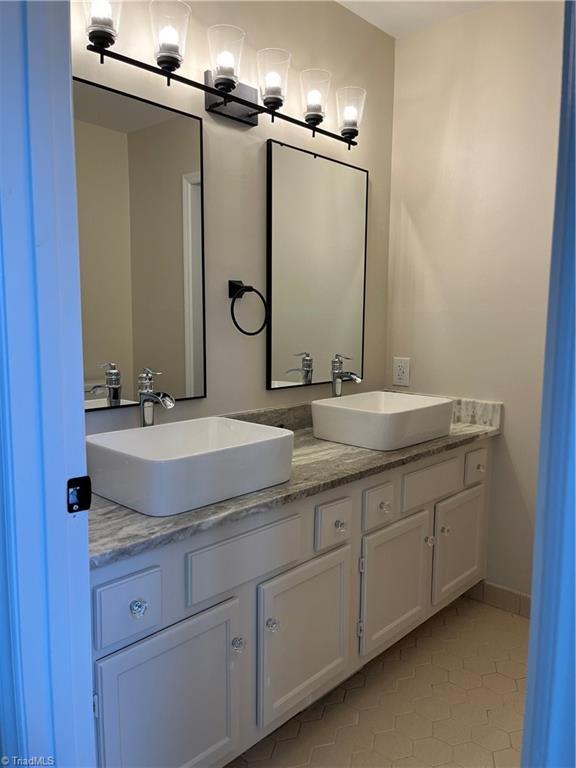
column 272, row 625
column 138, row 607
column 384, row 506
column 238, row 644
column 429, row 540
column 340, row 526
column 481, row 468
column 446, row 530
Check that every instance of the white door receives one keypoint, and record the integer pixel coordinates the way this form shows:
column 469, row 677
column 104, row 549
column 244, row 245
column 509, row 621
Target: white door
column 397, row 569
column 459, row 550
column 171, row 701
column 45, row 662
column 304, row 635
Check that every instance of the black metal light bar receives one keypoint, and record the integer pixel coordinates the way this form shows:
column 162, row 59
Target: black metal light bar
column 228, row 97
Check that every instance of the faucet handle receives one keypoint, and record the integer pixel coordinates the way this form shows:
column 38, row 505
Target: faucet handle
column 307, row 360
column 146, row 379
column 337, row 363
column 112, row 374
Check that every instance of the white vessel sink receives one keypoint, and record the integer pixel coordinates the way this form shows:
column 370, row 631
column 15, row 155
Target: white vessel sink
column 383, row 421
column 171, row 468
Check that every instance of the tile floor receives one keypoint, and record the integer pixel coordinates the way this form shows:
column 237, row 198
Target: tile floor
column 449, row 694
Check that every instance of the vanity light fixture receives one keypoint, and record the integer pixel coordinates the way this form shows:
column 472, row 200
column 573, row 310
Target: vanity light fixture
column 315, row 87
column 224, row 94
column 102, row 19
column 169, row 22
column 225, row 43
column 350, row 101
column 273, row 66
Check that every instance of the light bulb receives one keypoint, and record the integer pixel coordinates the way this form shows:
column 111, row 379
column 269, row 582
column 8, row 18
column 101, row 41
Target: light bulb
column 314, row 98
column 101, row 12
column 168, row 36
column 273, row 80
column 350, row 115
column 225, row 60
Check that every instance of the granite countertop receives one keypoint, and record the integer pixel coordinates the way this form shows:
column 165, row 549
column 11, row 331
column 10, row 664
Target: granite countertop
column 117, row 532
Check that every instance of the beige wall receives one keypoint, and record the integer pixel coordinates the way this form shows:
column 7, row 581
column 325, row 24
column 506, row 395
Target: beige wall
column 160, row 156
column 474, row 156
column 104, row 226
column 319, row 34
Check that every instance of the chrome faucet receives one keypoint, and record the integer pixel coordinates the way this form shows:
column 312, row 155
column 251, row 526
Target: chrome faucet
column 306, row 369
column 339, row 374
column 148, row 398
column 112, row 384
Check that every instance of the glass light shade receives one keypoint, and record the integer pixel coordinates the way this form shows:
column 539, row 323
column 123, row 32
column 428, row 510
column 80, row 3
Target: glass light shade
column 225, row 43
column 169, row 22
column 315, row 88
column 273, row 66
column 350, row 101
column 102, row 20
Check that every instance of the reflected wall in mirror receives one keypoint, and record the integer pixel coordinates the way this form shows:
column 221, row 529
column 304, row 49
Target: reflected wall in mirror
column 316, row 265
column 139, row 181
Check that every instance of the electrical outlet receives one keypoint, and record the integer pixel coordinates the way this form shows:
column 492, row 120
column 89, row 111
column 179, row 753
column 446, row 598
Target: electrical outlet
column 401, row 372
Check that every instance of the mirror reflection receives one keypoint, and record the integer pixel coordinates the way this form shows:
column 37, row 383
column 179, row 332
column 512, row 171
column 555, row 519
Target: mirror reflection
column 316, row 265
column 139, row 182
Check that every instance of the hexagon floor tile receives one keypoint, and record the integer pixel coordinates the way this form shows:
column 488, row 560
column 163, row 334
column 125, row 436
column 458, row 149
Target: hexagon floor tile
column 450, row 694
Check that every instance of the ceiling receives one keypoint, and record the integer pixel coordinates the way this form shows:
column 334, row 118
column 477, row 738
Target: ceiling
column 403, row 17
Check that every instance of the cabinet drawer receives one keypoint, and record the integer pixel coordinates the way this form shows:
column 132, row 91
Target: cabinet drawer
column 431, row 483
column 127, row 607
column 378, row 506
column 333, row 523
column 217, row 569
column 475, row 466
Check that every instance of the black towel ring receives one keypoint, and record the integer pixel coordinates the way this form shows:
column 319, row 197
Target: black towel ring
column 236, row 290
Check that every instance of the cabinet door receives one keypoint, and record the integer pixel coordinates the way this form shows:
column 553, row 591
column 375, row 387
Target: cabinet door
column 304, row 632
column 397, row 570
column 459, row 550
column 170, row 701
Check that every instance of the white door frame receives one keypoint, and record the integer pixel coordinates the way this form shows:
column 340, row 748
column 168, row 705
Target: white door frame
column 45, row 646
column 192, row 251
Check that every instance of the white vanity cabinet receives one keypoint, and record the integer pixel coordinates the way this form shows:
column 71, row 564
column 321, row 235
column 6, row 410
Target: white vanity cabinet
column 459, row 544
column 303, row 632
column 172, row 699
column 247, row 623
column 396, row 569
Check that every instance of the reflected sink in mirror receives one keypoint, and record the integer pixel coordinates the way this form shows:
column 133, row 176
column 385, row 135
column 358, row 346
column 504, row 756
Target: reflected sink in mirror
column 172, row 468
column 280, row 383
column 102, row 402
column 382, row 421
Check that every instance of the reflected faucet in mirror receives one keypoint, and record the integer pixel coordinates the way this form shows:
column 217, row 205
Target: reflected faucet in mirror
column 306, row 368
column 339, row 374
column 148, row 398
column 112, row 384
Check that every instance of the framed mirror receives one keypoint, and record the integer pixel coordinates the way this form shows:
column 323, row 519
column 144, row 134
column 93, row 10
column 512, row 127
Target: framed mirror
column 316, row 262
column 140, row 217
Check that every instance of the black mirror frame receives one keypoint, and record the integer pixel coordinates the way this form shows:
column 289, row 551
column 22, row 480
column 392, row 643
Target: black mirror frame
column 269, row 224
column 201, row 123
